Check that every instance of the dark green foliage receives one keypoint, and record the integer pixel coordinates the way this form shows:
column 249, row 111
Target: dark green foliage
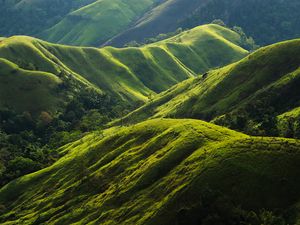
column 25, row 141
column 158, row 38
column 32, row 17
column 267, row 21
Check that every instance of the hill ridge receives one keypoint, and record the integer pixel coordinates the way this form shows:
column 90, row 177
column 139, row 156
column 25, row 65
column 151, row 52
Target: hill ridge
column 155, row 168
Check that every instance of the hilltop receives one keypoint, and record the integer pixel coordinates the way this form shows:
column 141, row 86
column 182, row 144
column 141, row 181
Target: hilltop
column 247, row 95
column 116, row 22
column 96, row 23
column 267, row 21
column 161, row 172
column 31, row 17
column 128, row 75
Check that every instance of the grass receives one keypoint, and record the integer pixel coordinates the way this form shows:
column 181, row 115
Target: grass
column 265, row 24
column 146, row 173
column 163, row 18
column 31, row 91
column 30, row 17
column 268, row 75
column 129, row 75
column 97, row 22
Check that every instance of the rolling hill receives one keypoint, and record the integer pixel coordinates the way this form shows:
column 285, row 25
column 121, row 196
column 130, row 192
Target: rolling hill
column 247, row 95
column 266, row 21
column 116, row 22
column 128, row 75
column 162, row 172
column 97, row 22
column 52, row 94
column 30, row 17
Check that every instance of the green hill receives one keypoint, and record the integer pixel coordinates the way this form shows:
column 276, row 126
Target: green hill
column 52, row 94
column 247, row 95
column 97, row 22
column 21, row 88
column 128, row 75
column 30, row 17
column 267, row 21
column 117, row 22
column 161, row 172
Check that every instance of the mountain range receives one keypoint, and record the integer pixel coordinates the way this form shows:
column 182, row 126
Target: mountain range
column 116, row 22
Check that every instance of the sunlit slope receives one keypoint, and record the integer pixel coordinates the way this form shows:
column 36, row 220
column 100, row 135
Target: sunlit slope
column 128, row 75
column 151, row 172
column 205, row 47
column 264, row 82
column 97, row 22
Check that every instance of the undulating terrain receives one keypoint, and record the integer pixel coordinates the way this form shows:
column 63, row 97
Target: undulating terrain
column 127, row 112
column 162, row 172
column 255, row 95
column 117, row 22
column 267, row 21
column 129, row 75
column 51, row 94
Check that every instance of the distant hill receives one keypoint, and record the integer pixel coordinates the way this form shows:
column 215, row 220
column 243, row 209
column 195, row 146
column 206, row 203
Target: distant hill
column 30, row 17
column 247, row 95
column 116, row 22
column 162, row 172
column 97, row 22
column 267, row 21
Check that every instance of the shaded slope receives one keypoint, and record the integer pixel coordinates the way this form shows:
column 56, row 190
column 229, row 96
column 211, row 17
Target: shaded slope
column 20, row 88
column 33, row 16
column 266, row 21
column 97, row 22
column 129, row 75
column 264, row 83
column 158, row 172
column 116, row 22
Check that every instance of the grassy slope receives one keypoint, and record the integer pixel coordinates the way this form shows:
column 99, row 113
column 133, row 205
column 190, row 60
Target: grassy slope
column 264, row 76
column 268, row 21
column 146, row 174
column 97, row 22
column 32, row 91
column 33, row 16
column 161, row 19
column 30, row 79
column 129, row 74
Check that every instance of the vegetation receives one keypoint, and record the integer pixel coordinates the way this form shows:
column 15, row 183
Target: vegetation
column 158, row 38
column 247, row 96
column 117, row 136
column 245, row 42
column 98, row 22
column 267, row 21
column 134, row 73
column 116, row 22
column 53, row 94
column 31, row 17
column 161, row 172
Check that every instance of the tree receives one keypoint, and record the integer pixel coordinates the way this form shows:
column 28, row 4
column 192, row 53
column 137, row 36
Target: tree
column 219, row 22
